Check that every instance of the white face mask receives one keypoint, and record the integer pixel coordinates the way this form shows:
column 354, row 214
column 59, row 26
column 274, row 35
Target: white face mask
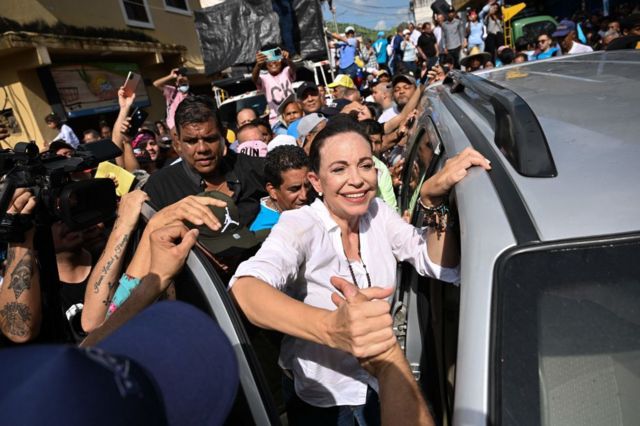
column 184, row 88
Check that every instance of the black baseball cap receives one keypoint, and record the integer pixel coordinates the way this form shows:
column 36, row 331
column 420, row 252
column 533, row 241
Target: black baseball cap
column 307, row 86
column 289, row 99
column 231, row 239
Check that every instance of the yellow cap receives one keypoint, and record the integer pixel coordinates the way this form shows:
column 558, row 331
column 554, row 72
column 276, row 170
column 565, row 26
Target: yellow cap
column 342, row 80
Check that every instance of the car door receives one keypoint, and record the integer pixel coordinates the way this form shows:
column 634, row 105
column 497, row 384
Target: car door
column 426, row 309
column 200, row 285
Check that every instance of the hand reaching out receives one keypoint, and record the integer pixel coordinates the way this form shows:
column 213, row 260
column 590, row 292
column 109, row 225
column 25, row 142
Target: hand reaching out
column 261, row 58
column 125, row 101
column 453, row 171
column 130, row 207
column 170, row 246
column 192, row 209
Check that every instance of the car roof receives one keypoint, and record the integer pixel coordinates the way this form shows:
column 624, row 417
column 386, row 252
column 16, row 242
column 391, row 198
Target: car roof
column 588, row 108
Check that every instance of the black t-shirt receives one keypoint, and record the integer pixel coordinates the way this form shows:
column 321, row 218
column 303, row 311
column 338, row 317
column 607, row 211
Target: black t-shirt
column 72, row 299
column 427, row 42
column 244, row 175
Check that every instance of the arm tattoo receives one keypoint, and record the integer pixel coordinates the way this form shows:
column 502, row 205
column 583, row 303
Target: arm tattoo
column 118, row 250
column 11, row 256
column 21, row 275
column 15, row 318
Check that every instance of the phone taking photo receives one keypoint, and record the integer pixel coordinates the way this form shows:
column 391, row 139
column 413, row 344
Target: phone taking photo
column 131, row 83
column 273, row 54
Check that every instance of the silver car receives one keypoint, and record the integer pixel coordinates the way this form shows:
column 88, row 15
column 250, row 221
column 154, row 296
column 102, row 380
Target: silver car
column 545, row 325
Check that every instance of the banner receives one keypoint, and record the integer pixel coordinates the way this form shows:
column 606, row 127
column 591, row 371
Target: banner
column 87, row 89
column 232, row 32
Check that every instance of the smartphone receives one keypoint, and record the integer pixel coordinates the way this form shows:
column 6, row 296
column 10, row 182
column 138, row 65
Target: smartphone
column 273, row 54
column 137, row 119
column 131, row 83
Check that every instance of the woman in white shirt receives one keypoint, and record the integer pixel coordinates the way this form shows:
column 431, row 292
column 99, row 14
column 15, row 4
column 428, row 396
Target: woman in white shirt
column 66, row 133
column 409, row 53
column 347, row 233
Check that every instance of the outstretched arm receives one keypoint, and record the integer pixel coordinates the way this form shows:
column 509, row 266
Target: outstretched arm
column 412, row 104
column 442, row 244
column 352, row 329
column 104, row 276
column 127, row 160
column 159, row 83
column 170, row 247
column 261, row 60
column 401, row 401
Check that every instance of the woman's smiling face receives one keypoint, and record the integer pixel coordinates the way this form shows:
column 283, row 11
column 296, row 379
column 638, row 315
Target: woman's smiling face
column 347, row 176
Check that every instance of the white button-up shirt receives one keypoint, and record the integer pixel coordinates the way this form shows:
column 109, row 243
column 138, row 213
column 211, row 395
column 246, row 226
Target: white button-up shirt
column 303, row 251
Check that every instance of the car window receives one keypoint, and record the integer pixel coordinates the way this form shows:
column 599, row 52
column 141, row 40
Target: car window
column 420, row 163
column 228, row 111
column 567, row 335
column 532, row 30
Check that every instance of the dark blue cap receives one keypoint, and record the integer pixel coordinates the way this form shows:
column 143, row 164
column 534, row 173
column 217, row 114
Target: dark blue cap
column 170, row 364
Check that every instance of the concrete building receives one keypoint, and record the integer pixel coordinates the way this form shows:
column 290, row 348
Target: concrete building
column 53, row 60
column 422, row 11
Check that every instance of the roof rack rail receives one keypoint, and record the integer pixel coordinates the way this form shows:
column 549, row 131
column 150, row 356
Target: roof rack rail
column 518, row 133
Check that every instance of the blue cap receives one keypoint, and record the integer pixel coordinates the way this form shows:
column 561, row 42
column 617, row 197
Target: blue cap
column 380, row 33
column 169, row 365
column 292, row 130
column 564, row 27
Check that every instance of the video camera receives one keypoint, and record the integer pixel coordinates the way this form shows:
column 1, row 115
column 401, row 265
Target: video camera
column 79, row 203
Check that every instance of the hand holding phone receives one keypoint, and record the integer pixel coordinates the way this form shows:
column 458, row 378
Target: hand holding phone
column 131, row 83
column 137, row 119
column 273, row 55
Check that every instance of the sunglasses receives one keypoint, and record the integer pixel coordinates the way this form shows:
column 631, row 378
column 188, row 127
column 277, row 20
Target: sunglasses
column 309, row 93
column 543, row 41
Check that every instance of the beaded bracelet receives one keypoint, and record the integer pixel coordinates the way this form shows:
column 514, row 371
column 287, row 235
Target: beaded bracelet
column 437, row 217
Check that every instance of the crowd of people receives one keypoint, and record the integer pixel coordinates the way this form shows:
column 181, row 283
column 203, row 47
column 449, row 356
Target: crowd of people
column 294, row 206
column 475, row 39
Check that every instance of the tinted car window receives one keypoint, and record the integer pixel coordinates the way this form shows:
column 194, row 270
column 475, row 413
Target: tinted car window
column 419, row 163
column 531, row 31
column 567, row 336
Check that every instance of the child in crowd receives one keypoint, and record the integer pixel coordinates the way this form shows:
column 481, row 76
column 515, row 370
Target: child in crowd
column 276, row 82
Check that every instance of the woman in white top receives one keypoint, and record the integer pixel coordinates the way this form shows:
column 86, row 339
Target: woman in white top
column 347, row 233
column 409, row 53
column 65, row 132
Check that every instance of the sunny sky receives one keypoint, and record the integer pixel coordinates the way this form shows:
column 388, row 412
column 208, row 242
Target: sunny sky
column 376, row 14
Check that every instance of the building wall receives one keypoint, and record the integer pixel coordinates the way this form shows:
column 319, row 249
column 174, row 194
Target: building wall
column 169, row 27
column 23, row 91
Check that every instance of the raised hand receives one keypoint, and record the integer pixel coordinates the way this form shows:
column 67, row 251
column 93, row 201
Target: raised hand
column 454, row 170
column 170, row 246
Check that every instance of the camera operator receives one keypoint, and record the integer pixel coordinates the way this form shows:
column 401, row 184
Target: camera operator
column 20, row 305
